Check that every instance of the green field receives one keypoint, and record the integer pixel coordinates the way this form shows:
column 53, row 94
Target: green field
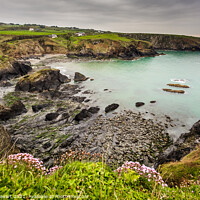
column 30, row 33
column 114, row 37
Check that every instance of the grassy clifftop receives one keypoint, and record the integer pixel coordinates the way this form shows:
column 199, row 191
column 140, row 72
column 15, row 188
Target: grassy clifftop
column 167, row 41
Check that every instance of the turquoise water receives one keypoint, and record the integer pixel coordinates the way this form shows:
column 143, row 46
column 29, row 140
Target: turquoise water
column 143, row 80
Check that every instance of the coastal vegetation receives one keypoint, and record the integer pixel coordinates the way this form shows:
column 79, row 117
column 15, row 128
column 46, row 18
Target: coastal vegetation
column 24, row 176
column 45, row 117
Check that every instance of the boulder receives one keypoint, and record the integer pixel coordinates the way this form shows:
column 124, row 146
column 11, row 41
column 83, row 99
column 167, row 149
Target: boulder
column 45, row 79
column 82, row 115
column 111, row 107
column 5, row 113
column 79, row 77
column 37, row 108
column 51, row 116
column 17, row 68
column 139, row 104
column 152, row 101
column 93, row 110
column 17, row 108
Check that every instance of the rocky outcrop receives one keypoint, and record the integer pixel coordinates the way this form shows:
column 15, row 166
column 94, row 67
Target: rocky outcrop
column 51, row 116
column 178, row 85
column 17, row 108
column 168, row 42
column 106, row 48
column 82, row 115
column 37, row 108
column 174, row 91
column 79, row 77
column 86, row 113
column 46, row 79
column 183, row 146
column 15, row 69
column 111, row 107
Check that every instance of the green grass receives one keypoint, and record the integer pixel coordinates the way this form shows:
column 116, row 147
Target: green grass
column 87, row 180
column 113, row 37
column 185, row 171
column 30, row 33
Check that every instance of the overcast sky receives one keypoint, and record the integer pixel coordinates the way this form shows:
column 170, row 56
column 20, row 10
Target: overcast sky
column 153, row 16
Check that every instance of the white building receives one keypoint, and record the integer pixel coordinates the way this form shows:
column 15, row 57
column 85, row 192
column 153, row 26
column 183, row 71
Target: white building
column 31, row 29
column 80, row 34
column 53, row 36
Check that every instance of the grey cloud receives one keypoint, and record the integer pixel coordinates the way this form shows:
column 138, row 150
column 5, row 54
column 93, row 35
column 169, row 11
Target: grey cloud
column 170, row 16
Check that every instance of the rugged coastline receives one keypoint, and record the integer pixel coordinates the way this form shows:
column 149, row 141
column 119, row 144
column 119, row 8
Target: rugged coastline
column 48, row 127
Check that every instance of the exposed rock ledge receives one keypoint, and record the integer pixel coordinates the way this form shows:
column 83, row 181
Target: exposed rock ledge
column 183, row 146
column 15, row 69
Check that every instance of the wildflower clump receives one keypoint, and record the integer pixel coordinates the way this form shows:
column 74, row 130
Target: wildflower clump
column 33, row 164
column 78, row 155
column 149, row 173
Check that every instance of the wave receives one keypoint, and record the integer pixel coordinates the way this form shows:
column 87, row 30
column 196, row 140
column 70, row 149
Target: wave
column 179, row 80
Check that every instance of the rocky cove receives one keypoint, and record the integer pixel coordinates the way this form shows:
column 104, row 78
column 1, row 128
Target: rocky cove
column 45, row 117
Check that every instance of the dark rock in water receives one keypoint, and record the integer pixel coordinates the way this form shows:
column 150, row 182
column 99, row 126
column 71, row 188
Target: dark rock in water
column 87, row 100
column 15, row 69
column 139, row 104
column 5, row 84
column 51, row 116
column 79, row 77
column 186, row 143
column 111, row 107
column 152, row 101
column 45, row 79
column 37, row 108
column 105, row 89
column 18, row 108
column 91, row 79
column 93, row 110
column 82, row 115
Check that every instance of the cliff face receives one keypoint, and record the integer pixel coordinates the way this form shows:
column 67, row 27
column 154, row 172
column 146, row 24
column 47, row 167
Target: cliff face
column 106, row 48
column 28, row 47
column 168, row 42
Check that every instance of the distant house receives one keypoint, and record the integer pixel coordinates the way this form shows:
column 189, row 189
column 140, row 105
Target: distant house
column 53, row 36
column 31, row 29
column 80, row 34
column 100, row 31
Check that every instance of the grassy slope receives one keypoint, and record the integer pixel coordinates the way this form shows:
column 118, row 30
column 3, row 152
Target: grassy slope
column 177, row 173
